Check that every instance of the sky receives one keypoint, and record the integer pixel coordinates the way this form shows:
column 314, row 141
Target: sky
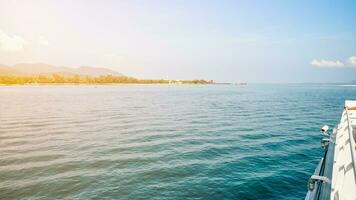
column 226, row 41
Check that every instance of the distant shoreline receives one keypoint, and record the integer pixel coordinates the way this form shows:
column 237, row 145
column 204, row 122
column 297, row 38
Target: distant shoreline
column 99, row 84
column 59, row 79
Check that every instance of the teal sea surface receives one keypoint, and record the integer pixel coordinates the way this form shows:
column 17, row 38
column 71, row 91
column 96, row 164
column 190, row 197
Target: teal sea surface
column 163, row 141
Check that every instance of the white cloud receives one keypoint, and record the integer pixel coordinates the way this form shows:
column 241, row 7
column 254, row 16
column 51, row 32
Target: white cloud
column 327, row 63
column 10, row 43
column 43, row 41
column 352, row 60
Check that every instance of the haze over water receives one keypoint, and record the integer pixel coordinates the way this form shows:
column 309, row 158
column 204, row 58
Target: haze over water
column 163, row 141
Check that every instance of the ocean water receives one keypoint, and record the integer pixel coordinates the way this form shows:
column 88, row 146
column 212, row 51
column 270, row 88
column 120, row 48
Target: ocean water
column 163, row 141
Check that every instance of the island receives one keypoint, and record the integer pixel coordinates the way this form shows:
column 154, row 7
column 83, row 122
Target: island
column 40, row 73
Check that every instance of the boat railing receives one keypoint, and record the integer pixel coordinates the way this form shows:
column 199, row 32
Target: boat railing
column 352, row 141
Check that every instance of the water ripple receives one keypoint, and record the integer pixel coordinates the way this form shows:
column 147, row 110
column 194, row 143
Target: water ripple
column 163, row 142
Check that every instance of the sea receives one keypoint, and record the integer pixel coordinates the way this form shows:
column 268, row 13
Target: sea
column 164, row 142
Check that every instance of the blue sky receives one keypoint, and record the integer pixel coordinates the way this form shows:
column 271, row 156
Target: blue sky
column 227, row 41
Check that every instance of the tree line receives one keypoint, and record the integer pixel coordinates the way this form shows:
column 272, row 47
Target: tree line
column 77, row 79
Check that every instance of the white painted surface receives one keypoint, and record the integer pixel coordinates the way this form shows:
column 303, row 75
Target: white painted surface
column 343, row 184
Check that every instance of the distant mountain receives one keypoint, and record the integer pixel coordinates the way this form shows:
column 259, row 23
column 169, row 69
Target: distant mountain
column 45, row 69
column 8, row 71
